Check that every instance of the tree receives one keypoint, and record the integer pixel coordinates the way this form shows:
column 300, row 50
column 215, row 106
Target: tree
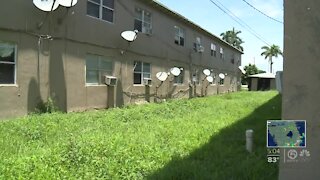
column 250, row 70
column 232, row 38
column 269, row 52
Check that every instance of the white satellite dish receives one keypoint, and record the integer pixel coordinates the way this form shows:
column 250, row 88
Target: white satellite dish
column 206, row 72
column 222, row 76
column 210, row 79
column 175, row 71
column 68, row 3
column 46, row 5
column 162, row 76
column 129, row 36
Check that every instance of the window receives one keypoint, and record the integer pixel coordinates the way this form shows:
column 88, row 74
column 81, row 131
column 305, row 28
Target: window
column 7, row 63
column 96, row 68
column 214, row 78
column 221, row 53
column 197, row 45
column 179, row 79
column 102, row 9
column 142, row 21
column 141, row 70
column 221, row 81
column 213, row 50
column 179, row 36
column 196, row 77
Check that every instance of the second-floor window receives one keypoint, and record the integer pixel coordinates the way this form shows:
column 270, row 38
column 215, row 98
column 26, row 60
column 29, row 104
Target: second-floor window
column 143, row 22
column 102, row 9
column 221, row 53
column 213, row 50
column 179, row 36
column 141, row 71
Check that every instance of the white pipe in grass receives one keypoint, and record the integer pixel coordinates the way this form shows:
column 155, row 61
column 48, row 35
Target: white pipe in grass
column 249, row 140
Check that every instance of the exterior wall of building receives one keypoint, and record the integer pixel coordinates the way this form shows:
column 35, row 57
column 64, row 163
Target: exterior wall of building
column 254, row 85
column 301, row 81
column 273, row 84
column 57, row 68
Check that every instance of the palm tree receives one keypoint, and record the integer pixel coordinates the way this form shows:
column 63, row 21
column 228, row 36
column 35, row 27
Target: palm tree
column 232, row 38
column 269, row 52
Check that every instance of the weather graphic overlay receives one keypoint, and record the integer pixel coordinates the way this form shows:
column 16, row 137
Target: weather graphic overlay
column 286, row 133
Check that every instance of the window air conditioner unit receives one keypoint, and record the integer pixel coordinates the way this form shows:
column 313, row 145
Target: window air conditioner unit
column 147, row 81
column 110, row 80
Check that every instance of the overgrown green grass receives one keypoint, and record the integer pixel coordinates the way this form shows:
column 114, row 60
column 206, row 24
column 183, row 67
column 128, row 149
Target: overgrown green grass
column 183, row 139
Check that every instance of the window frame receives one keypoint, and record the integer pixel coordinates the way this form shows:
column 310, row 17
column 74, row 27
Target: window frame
column 196, row 74
column 143, row 28
column 213, row 75
column 221, row 53
column 221, row 80
column 101, row 6
column 98, row 69
column 180, row 31
column 213, row 48
column 181, row 75
column 15, row 47
column 141, row 72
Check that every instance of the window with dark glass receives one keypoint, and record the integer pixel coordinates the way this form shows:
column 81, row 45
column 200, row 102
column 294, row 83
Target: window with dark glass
column 221, row 53
column 96, row 68
column 179, row 36
column 7, row 63
column 213, row 50
column 213, row 75
column 102, row 9
column 221, row 81
column 179, row 79
column 143, row 22
column 141, row 71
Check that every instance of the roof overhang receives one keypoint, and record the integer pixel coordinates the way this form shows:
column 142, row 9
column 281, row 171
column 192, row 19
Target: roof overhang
column 263, row 75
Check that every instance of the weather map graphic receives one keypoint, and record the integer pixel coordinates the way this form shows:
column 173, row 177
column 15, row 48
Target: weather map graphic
column 286, row 133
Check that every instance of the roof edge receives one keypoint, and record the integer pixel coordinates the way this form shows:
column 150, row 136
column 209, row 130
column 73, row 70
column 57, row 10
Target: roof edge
column 175, row 14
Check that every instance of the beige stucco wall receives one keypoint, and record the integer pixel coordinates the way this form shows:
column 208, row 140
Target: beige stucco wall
column 300, row 98
column 59, row 72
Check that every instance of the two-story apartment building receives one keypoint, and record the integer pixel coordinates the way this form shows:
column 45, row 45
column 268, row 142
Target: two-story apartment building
column 66, row 54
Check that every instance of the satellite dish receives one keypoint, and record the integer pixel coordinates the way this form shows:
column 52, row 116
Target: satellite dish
column 222, row 76
column 129, row 36
column 206, row 72
column 175, row 71
column 68, row 3
column 46, row 5
column 210, row 79
column 162, row 76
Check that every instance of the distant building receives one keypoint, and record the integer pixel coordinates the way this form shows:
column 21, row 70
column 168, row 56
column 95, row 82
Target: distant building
column 66, row 54
column 262, row 82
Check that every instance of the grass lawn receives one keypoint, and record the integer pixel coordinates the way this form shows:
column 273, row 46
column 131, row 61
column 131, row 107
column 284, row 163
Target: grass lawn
column 202, row 138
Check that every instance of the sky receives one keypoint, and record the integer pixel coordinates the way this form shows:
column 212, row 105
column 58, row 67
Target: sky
column 205, row 14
